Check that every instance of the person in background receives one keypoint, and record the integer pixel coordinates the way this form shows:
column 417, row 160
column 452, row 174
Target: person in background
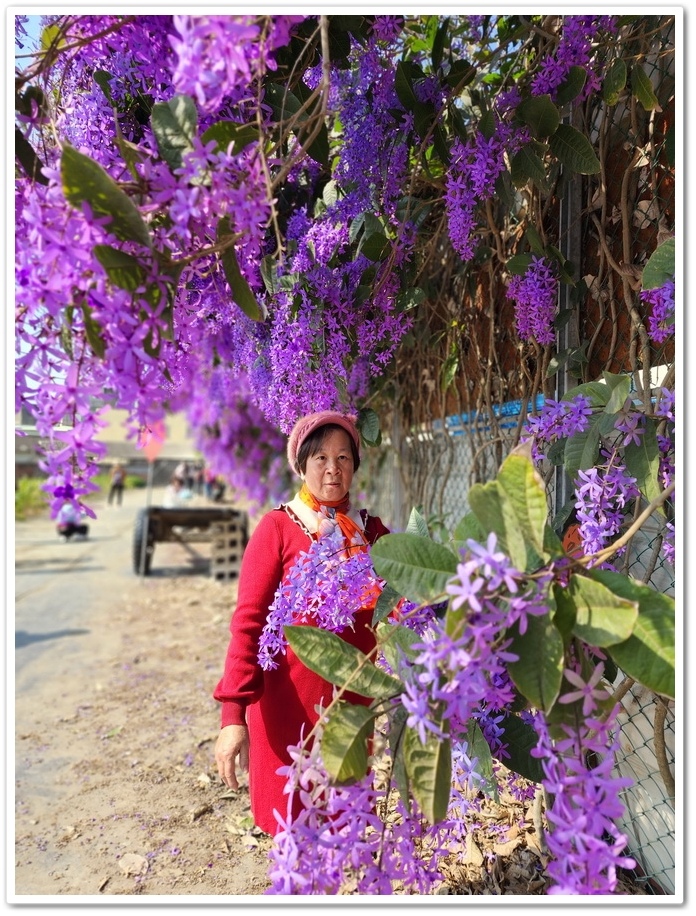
column 118, row 481
column 265, row 711
column 70, row 522
column 176, row 493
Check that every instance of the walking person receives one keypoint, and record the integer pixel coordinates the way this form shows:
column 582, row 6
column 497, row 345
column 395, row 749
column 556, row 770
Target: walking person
column 264, row 711
column 118, row 481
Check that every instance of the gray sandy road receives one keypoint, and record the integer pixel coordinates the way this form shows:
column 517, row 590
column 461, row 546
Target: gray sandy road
column 65, row 594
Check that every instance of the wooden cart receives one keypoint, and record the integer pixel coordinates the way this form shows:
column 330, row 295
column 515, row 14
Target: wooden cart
column 226, row 529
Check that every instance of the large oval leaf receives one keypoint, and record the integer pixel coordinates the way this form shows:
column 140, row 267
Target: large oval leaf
column 122, row 268
column 602, row 617
column 574, row 150
column 520, row 738
column 429, row 769
column 643, row 463
column 538, row 671
column 226, row 132
column 514, row 507
column 241, row 291
column 643, row 89
column 340, row 663
column 539, row 114
column 648, row 655
column 415, row 566
column 85, row 181
column 344, row 741
column 174, row 126
column 614, row 82
column 661, row 266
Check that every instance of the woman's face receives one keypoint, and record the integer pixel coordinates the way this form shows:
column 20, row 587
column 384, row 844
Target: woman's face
column 329, row 473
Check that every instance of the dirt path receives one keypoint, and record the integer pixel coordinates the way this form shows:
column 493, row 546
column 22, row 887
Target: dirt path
column 116, row 791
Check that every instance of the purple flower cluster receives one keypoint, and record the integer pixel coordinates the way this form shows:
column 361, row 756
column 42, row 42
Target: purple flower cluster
column 339, row 841
column 575, row 49
column 535, row 295
column 453, row 673
column 585, row 844
column 661, row 319
column 602, row 498
column 557, row 420
column 326, row 587
column 471, row 177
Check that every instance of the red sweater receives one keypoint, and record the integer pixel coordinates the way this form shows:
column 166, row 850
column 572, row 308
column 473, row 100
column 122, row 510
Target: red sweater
column 275, row 705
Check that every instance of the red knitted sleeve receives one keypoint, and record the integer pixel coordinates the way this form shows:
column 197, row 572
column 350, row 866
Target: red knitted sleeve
column 263, row 562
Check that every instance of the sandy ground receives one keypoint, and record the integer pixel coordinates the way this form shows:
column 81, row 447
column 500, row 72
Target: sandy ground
column 116, row 790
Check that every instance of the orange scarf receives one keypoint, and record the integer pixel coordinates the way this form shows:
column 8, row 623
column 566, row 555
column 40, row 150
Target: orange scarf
column 332, row 513
column 336, row 513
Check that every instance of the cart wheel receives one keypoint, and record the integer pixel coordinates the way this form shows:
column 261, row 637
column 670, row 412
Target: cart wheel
column 143, row 543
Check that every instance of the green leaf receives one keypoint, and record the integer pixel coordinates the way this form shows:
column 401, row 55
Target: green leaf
column 387, row 601
column 602, row 617
column 538, row 671
column 403, row 83
column 614, row 82
column 269, row 274
column 518, row 264
column 340, row 663
column 416, row 566
column 375, row 246
column 514, row 507
column 174, row 126
column 439, row 43
column 598, row 393
column 344, row 741
column 648, row 655
column 85, row 181
column 93, row 331
column 477, row 747
column 368, row 426
column 409, row 299
column 417, row 524
column 124, row 270
column 52, row 37
column 620, row 387
column 572, row 86
column 396, row 717
column 103, row 79
column 527, row 165
column 226, row 132
column 396, row 641
column 241, row 291
column 534, row 240
column 461, row 73
column 521, row 738
column 643, row 89
column 540, row 114
column 661, row 266
column 429, row 769
column 26, row 155
column 643, row 463
column 468, row 528
column 574, row 150
column 582, row 450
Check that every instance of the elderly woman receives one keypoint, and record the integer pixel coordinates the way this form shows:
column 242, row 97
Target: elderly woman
column 265, row 711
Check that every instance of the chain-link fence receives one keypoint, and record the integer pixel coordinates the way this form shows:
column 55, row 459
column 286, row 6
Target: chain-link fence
column 440, row 465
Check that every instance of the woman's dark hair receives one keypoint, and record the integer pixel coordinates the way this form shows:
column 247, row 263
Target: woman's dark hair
column 314, row 442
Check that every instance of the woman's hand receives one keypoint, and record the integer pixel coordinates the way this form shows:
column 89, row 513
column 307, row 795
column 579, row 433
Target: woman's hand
column 232, row 742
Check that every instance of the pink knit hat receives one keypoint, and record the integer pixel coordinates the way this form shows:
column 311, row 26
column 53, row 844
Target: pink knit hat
column 307, row 425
